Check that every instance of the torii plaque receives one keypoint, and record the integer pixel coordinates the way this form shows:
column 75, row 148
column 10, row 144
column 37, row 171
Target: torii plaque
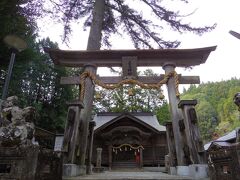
column 130, row 60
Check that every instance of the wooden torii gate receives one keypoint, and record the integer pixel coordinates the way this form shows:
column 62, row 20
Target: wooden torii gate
column 129, row 60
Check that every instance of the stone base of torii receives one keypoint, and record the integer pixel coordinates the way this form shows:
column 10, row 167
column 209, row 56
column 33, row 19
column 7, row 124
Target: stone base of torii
column 186, row 153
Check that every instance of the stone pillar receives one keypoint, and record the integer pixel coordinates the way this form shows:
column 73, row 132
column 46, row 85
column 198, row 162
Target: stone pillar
column 85, row 115
column 141, row 158
column 92, row 124
column 99, row 167
column 194, row 142
column 110, row 157
column 172, row 159
column 99, row 158
column 176, row 115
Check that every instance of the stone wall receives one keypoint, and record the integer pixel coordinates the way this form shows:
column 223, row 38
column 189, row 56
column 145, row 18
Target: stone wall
column 49, row 165
column 18, row 162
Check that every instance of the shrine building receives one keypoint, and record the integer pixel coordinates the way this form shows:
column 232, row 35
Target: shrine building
column 129, row 140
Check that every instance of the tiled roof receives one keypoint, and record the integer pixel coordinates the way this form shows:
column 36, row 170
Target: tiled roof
column 149, row 119
column 227, row 137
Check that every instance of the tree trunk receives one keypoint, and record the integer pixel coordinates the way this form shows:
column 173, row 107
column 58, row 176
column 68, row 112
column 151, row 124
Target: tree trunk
column 95, row 35
column 94, row 43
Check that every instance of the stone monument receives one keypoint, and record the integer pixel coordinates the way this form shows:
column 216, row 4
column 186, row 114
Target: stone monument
column 18, row 153
column 99, row 167
column 17, row 124
column 20, row 156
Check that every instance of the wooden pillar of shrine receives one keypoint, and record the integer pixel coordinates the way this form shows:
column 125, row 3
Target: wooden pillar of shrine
column 92, row 124
column 86, row 114
column 110, row 157
column 140, row 157
column 153, row 152
column 171, row 145
column 193, row 137
column 176, row 115
column 69, row 148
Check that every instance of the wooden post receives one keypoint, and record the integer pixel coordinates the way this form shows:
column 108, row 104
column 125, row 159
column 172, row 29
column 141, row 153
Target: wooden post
column 176, row 115
column 71, row 132
column 110, row 157
column 141, row 158
column 193, row 137
column 153, row 152
column 92, row 124
column 85, row 115
column 171, row 145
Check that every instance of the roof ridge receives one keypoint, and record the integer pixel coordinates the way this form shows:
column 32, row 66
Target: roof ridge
column 120, row 113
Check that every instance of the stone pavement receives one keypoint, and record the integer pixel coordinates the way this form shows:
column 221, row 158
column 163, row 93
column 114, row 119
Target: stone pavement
column 128, row 175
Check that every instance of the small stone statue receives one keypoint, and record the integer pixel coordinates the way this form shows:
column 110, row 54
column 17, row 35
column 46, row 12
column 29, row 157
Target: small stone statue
column 17, row 126
column 236, row 100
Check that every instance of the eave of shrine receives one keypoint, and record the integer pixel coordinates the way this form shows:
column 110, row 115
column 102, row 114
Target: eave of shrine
column 103, row 120
column 146, row 57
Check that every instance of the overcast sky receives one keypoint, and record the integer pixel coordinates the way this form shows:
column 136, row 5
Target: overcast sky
column 222, row 64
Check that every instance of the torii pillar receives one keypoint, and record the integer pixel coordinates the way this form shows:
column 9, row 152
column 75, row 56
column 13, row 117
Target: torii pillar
column 130, row 60
column 176, row 114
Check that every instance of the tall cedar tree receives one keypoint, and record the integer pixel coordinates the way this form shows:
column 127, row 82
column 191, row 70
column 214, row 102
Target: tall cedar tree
column 109, row 15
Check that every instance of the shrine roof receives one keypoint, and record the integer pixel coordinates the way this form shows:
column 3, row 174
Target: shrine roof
column 147, row 118
column 227, row 137
column 145, row 57
column 220, row 144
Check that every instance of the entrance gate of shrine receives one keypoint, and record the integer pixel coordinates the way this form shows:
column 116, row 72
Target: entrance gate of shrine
column 127, row 155
column 184, row 142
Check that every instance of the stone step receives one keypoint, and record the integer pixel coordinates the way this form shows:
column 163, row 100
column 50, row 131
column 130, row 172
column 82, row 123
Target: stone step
column 126, row 175
column 120, row 164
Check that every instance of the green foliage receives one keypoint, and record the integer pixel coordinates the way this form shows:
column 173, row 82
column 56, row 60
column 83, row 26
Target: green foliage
column 119, row 100
column 216, row 110
column 143, row 100
column 162, row 112
column 35, row 79
column 36, row 83
column 13, row 22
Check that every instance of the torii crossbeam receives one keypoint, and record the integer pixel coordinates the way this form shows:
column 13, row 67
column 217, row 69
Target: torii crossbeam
column 113, row 58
